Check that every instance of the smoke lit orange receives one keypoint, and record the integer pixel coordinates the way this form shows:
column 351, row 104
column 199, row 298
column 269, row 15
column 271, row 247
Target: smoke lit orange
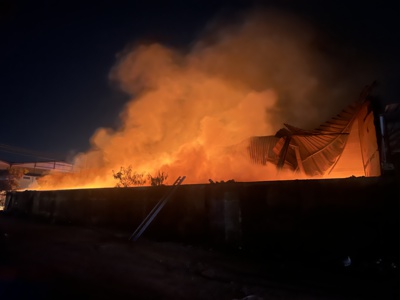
column 189, row 113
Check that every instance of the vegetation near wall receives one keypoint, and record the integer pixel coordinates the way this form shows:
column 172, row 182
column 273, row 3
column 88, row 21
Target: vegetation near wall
column 127, row 177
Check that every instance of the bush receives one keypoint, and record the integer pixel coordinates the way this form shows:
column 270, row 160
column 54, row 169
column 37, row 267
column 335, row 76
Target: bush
column 127, row 178
column 159, row 179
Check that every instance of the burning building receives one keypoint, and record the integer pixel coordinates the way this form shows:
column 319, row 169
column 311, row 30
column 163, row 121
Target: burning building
column 360, row 141
column 212, row 111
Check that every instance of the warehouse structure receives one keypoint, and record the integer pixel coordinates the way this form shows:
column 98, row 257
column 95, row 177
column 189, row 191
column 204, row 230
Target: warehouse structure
column 359, row 141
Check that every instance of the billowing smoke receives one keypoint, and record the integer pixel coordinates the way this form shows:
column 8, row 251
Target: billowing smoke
column 190, row 111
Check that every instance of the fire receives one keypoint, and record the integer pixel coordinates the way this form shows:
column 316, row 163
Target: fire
column 190, row 112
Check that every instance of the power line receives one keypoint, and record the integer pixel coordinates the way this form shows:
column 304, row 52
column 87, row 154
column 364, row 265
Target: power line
column 26, row 152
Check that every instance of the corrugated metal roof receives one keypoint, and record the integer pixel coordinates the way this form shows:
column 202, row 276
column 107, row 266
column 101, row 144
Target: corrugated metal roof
column 310, row 151
column 320, row 148
column 260, row 149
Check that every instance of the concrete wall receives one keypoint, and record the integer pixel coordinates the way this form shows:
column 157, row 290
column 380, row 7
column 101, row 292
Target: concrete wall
column 310, row 216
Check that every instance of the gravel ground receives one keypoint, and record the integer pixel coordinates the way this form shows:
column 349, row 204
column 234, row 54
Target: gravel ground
column 39, row 260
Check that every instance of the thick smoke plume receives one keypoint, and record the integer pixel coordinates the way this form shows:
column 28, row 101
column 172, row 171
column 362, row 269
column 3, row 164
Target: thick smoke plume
column 190, row 111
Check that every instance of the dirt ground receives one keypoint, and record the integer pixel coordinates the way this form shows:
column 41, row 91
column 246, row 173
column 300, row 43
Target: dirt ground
column 39, row 260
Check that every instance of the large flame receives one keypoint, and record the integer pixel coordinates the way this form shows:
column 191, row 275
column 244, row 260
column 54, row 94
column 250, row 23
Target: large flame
column 189, row 112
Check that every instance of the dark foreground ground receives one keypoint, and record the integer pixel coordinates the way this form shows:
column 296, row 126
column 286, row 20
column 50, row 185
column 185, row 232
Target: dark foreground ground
column 39, row 260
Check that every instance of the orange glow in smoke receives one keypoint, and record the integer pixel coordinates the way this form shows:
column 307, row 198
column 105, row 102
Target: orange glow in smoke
column 189, row 113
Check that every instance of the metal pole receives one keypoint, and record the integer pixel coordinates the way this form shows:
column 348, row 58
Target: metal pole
column 154, row 212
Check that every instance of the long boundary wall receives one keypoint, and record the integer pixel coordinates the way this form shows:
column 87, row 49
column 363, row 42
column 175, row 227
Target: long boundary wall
column 311, row 216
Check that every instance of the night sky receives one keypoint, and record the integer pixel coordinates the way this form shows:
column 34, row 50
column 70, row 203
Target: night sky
column 55, row 58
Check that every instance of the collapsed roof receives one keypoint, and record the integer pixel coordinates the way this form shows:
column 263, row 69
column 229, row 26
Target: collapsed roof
column 318, row 152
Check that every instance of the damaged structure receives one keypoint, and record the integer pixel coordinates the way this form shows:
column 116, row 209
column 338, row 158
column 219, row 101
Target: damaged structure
column 360, row 141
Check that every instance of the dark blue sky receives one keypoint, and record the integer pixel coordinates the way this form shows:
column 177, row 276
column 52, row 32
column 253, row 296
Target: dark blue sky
column 55, row 57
